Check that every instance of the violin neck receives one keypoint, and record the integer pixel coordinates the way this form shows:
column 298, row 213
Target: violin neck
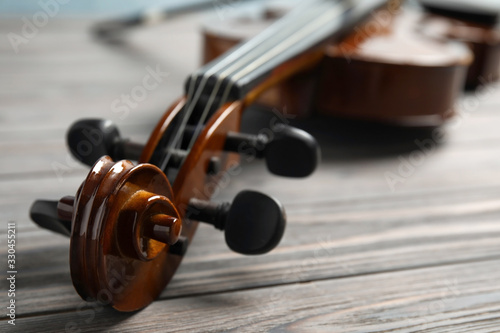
column 294, row 43
column 299, row 33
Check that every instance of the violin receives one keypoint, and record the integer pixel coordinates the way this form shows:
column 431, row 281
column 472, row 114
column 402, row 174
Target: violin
column 131, row 224
column 406, row 66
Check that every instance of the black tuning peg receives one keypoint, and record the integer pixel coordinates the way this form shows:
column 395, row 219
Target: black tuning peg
column 46, row 214
column 253, row 224
column 90, row 139
column 288, row 151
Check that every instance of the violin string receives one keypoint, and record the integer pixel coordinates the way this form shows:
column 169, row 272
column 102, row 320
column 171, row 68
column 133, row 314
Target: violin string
column 326, row 17
column 253, row 57
column 193, row 96
column 249, row 57
column 262, row 57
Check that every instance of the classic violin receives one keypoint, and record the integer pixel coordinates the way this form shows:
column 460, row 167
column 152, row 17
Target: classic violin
column 129, row 228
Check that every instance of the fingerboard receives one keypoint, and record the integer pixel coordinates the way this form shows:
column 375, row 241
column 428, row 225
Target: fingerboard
column 238, row 71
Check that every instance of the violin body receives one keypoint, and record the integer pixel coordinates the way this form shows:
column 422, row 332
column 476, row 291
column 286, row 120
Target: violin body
column 474, row 24
column 398, row 76
column 405, row 67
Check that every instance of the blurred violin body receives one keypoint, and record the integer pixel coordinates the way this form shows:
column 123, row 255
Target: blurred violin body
column 474, row 23
column 405, row 66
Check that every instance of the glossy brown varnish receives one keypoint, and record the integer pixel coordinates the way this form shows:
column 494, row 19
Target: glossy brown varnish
column 105, row 263
column 354, row 84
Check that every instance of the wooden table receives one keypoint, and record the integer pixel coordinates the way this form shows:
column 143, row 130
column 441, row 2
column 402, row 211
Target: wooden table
column 357, row 255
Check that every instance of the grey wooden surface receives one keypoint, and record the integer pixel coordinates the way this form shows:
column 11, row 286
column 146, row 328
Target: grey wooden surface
column 357, row 255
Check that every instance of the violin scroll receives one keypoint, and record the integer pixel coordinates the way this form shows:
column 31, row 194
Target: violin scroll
column 123, row 219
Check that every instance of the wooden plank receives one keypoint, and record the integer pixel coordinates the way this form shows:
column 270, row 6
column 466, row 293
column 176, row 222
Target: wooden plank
column 324, row 239
column 57, row 82
column 443, row 167
column 446, row 171
column 356, row 256
column 476, row 141
column 438, row 299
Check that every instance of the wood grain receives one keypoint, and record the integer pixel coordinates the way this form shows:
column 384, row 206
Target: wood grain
column 356, row 256
column 439, row 299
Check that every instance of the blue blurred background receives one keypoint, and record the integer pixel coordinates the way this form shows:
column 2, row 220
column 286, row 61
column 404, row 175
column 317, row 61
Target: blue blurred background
column 114, row 8
column 94, row 8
